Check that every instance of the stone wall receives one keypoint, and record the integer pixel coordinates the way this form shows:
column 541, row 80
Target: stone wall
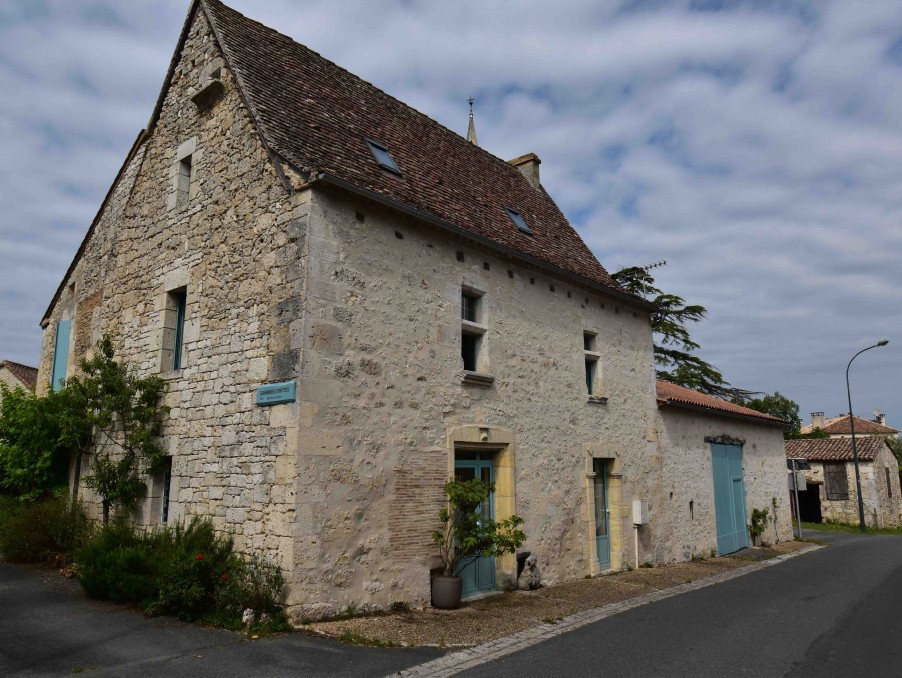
column 381, row 391
column 686, row 490
column 235, row 242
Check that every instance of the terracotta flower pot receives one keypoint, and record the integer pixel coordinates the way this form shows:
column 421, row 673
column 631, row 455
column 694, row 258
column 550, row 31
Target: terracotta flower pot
column 446, row 592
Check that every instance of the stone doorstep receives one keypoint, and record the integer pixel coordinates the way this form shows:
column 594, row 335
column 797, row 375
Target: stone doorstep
column 461, row 660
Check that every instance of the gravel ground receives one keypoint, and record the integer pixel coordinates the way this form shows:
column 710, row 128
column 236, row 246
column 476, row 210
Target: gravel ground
column 503, row 614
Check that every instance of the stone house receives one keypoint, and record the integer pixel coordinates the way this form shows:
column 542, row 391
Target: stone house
column 841, row 427
column 831, row 493
column 703, row 437
column 351, row 304
column 15, row 375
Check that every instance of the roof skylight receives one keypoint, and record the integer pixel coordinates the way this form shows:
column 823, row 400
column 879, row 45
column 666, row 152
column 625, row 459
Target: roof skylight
column 382, row 156
column 518, row 220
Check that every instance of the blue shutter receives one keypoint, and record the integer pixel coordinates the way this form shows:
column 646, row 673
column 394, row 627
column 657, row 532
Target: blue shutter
column 60, row 354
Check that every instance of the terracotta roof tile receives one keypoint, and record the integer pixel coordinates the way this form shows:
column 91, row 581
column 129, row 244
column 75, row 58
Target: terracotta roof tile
column 841, row 425
column 317, row 116
column 671, row 393
column 27, row 375
column 834, row 449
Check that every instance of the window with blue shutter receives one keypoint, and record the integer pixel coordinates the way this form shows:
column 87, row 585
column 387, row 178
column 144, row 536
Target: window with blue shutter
column 60, row 354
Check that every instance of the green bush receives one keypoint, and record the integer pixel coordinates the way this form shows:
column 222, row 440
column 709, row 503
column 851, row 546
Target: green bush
column 257, row 584
column 46, row 532
column 120, row 564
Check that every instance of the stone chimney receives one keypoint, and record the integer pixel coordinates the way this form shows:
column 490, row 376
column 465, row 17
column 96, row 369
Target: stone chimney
column 817, row 420
column 529, row 166
column 881, row 419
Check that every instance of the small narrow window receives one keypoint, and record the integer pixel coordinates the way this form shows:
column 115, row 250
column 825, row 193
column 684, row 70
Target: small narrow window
column 889, row 484
column 382, row 156
column 518, row 220
column 167, row 481
column 178, row 354
column 469, row 306
column 471, row 331
column 173, row 357
column 590, row 375
column 183, row 182
column 470, row 351
column 591, row 360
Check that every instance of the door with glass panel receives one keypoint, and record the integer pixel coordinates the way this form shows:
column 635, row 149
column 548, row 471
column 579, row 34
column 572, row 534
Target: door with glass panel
column 477, row 572
column 602, row 515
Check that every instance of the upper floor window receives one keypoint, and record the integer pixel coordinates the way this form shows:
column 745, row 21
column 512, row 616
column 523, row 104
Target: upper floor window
column 592, row 362
column 836, row 482
column 173, row 357
column 472, row 331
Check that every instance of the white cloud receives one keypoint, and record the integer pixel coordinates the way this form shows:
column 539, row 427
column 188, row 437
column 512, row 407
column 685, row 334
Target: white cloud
column 758, row 151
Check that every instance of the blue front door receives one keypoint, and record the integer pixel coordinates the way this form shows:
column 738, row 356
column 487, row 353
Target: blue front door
column 729, row 498
column 477, row 572
column 602, row 516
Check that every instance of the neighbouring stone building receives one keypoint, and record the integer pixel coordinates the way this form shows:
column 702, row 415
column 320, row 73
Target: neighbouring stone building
column 351, row 304
column 15, row 375
column 841, row 426
column 831, row 493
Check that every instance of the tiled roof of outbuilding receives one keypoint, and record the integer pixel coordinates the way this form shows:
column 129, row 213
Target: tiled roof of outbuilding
column 841, row 425
column 27, row 375
column 317, row 116
column 671, row 393
column 834, row 449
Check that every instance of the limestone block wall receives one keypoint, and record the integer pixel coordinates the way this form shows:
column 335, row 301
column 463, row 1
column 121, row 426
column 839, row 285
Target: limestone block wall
column 686, row 525
column 235, row 242
column 381, row 396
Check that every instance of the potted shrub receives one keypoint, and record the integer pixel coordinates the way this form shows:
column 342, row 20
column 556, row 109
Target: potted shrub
column 465, row 532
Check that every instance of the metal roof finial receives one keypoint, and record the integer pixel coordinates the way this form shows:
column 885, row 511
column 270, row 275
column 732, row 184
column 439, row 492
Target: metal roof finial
column 471, row 130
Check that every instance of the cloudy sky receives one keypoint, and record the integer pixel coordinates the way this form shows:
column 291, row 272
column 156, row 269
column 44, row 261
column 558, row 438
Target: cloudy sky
column 755, row 146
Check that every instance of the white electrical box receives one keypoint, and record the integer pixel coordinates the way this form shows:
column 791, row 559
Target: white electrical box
column 640, row 512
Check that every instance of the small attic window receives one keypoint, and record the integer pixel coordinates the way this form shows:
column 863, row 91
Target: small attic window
column 382, row 156
column 518, row 220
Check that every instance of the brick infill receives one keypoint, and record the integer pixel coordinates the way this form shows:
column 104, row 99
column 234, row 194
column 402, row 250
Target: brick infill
column 456, row 662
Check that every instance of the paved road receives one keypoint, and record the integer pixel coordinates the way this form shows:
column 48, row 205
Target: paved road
column 834, row 612
column 48, row 628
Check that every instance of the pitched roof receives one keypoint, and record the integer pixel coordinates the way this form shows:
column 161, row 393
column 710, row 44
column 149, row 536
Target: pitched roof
column 671, row 394
column 841, row 425
column 318, row 116
column 834, row 449
column 24, row 373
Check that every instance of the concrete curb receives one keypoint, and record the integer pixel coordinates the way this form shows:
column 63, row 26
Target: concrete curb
column 456, row 662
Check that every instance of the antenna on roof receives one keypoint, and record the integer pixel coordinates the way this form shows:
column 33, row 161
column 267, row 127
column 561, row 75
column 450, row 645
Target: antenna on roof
column 471, row 130
column 657, row 264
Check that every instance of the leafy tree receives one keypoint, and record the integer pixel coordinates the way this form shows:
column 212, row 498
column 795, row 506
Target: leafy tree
column 124, row 411
column 777, row 405
column 674, row 347
column 39, row 435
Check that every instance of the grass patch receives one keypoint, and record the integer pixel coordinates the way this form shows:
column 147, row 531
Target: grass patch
column 851, row 529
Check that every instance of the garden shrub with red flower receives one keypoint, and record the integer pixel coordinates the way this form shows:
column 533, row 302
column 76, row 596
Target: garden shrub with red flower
column 188, row 571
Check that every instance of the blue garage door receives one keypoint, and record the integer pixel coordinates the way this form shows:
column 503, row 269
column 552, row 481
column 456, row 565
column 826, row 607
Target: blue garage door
column 729, row 498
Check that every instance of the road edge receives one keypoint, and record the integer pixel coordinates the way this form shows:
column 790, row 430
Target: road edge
column 455, row 662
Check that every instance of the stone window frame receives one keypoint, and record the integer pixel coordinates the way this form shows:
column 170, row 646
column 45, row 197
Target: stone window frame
column 184, row 184
column 475, row 328
column 592, row 362
column 168, row 330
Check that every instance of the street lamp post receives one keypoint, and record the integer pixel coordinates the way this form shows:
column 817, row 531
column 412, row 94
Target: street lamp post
column 882, row 342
